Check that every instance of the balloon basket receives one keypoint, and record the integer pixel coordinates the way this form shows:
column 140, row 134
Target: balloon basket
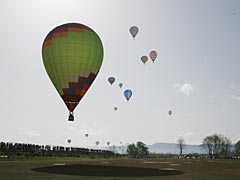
column 70, row 117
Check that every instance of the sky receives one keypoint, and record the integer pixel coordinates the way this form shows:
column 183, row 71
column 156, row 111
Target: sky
column 196, row 73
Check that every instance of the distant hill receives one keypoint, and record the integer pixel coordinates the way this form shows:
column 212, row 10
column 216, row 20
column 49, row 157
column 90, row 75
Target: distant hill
column 172, row 148
column 165, row 148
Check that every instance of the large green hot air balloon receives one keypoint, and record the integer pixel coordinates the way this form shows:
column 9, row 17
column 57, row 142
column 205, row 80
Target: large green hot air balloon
column 72, row 55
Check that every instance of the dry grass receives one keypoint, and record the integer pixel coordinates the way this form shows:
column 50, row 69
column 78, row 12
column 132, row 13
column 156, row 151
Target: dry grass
column 130, row 169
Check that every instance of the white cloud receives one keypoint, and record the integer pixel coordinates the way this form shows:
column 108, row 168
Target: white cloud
column 186, row 89
column 189, row 138
column 176, row 85
column 237, row 98
column 235, row 86
column 212, row 96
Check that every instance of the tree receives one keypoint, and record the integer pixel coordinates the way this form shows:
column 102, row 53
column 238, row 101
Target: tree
column 142, row 150
column 217, row 145
column 237, row 148
column 226, row 147
column 181, row 144
column 137, row 151
column 132, row 150
column 207, row 144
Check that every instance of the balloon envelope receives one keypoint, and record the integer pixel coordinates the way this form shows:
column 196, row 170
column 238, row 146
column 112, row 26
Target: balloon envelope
column 120, row 85
column 144, row 59
column 108, row 143
column 153, row 55
column 115, row 108
column 127, row 94
column 86, row 135
column 97, row 143
column 111, row 80
column 72, row 55
column 133, row 30
column 169, row 113
column 69, row 141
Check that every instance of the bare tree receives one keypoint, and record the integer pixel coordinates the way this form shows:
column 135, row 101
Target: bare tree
column 217, row 145
column 181, row 144
column 226, row 147
column 237, row 148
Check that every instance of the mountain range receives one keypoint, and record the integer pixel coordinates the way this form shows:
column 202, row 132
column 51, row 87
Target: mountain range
column 164, row 148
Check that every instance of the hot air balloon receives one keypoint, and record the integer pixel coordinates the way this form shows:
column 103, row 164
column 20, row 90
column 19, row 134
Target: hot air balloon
column 86, row 135
column 115, row 108
column 169, row 113
column 72, row 55
column 133, row 30
column 69, row 141
column 108, row 143
column 120, row 85
column 144, row 59
column 128, row 94
column 153, row 55
column 111, row 80
column 97, row 143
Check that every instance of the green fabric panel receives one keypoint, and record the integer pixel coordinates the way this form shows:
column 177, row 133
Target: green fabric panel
column 67, row 57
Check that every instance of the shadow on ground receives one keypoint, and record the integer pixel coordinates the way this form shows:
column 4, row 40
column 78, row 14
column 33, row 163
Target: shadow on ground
column 106, row 171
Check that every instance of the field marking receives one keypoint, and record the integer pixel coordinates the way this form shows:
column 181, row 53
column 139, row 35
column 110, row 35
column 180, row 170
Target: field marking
column 154, row 162
column 168, row 169
column 174, row 164
column 59, row 164
column 104, row 162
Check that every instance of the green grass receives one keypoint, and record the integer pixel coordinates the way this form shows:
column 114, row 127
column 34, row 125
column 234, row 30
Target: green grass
column 118, row 169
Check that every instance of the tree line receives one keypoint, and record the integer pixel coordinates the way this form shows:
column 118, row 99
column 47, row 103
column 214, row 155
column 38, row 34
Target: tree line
column 220, row 146
column 33, row 150
column 216, row 146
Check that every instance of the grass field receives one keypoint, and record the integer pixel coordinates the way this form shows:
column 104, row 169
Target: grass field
column 130, row 169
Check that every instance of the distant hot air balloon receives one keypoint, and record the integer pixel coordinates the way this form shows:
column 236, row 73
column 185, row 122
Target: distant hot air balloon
column 127, row 94
column 144, row 59
column 153, row 55
column 120, row 85
column 69, row 141
column 169, row 113
column 86, row 135
column 115, row 108
column 97, row 143
column 133, row 30
column 72, row 55
column 111, row 80
column 108, row 143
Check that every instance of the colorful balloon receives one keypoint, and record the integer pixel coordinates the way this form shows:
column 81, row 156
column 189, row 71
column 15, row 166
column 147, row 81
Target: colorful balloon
column 133, row 30
column 111, row 80
column 72, row 55
column 69, row 141
column 108, row 143
column 153, row 55
column 127, row 94
column 97, row 143
column 115, row 108
column 144, row 59
column 86, row 135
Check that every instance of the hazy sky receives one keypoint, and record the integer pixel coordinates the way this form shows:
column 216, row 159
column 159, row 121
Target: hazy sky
column 196, row 73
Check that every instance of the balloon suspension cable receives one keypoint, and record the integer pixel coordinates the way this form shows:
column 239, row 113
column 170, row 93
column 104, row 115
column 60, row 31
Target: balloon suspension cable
column 70, row 117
